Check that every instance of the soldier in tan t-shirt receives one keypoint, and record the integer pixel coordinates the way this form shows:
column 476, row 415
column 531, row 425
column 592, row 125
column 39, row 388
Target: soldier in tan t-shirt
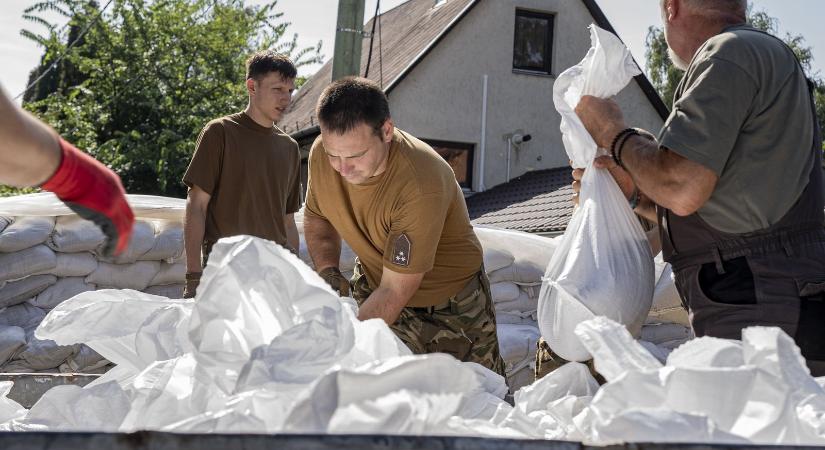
column 397, row 204
column 244, row 177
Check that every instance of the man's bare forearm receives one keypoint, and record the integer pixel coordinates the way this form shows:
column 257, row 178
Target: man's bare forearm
column 382, row 304
column 193, row 231
column 292, row 238
column 28, row 148
column 666, row 178
column 323, row 242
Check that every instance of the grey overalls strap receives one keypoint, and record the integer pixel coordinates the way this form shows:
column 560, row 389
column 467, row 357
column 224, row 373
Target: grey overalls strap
column 777, row 269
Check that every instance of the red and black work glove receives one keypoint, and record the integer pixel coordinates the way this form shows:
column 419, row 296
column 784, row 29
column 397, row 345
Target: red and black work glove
column 95, row 193
column 336, row 280
column 193, row 279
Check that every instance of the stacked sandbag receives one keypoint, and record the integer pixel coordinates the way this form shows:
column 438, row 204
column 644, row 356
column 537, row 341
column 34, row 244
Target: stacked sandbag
column 515, row 263
column 48, row 255
column 667, row 325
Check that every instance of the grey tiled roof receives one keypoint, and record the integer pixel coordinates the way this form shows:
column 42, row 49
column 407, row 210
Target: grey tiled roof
column 408, row 31
column 536, row 202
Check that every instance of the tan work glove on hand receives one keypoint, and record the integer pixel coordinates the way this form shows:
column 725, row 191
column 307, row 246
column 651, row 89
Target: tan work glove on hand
column 336, row 280
column 193, row 279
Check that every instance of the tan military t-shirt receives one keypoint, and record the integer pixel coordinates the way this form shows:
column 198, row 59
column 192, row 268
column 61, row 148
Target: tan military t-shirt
column 253, row 175
column 410, row 219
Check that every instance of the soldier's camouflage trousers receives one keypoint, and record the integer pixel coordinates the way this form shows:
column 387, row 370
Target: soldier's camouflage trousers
column 463, row 326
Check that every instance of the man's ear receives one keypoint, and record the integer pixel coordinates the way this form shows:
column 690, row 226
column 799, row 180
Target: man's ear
column 673, row 8
column 387, row 130
column 250, row 86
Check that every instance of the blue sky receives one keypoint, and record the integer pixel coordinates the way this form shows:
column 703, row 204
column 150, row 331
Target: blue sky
column 314, row 20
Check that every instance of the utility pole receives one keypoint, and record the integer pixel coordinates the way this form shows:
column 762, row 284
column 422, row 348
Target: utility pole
column 348, row 39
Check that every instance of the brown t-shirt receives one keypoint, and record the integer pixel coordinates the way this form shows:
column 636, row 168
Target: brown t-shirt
column 411, row 219
column 253, row 175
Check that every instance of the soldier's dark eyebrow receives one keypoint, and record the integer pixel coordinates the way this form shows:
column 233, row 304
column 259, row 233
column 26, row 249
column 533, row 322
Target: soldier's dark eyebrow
column 353, row 156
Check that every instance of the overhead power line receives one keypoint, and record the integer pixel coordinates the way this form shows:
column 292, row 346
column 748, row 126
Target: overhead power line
column 53, row 65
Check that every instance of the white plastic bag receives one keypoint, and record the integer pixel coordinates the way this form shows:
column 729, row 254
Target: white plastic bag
column 9, row 409
column 603, row 265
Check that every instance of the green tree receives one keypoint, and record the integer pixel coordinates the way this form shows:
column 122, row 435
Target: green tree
column 665, row 77
column 149, row 74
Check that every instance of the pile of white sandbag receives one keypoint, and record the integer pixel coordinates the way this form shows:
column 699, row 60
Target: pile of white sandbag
column 515, row 263
column 282, row 353
column 48, row 254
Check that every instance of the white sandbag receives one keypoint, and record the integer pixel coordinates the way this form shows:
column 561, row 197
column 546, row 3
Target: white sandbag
column 40, row 354
column 517, row 345
column 62, row 290
column 712, row 390
column 516, row 318
column 74, row 234
column 25, row 232
column 22, row 315
column 11, row 339
column 26, row 262
column 141, row 241
column 504, row 291
column 530, row 253
column 169, row 274
column 168, row 243
column 524, row 303
column 603, row 265
column 47, row 204
column 550, row 408
column 666, row 334
column 72, row 265
column 667, row 304
column 229, row 290
column 15, row 292
column 98, row 408
column 107, row 321
column 389, row 396
column 84, row 360
column 9, row 409
column 168, row 290
column 496, row 258
column 135, row 276
column 614, row 350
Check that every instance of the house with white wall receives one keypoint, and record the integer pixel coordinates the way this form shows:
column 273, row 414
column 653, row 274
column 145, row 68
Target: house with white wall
column 474, row 78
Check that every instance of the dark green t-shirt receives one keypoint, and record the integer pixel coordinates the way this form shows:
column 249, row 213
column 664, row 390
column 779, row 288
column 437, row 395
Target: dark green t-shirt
column 743, row 110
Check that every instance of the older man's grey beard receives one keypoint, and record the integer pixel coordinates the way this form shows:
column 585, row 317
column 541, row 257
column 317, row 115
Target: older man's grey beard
column 678, row 62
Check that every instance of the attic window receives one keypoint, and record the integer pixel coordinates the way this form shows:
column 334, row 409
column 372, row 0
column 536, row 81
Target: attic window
column 533, row 43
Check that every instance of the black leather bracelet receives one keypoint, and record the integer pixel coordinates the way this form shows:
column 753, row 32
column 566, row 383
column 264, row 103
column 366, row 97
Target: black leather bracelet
column 618, row 142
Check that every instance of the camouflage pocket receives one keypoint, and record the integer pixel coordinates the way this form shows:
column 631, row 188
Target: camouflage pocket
column 468, row 305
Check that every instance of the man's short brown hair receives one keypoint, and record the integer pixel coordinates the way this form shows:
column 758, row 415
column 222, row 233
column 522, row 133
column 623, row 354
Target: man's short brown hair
column 262, row 63
column 350, row 102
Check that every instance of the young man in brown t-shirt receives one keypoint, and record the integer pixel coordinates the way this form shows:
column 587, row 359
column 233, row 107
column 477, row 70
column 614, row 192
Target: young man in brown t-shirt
column 244, row 177
column 397, row 203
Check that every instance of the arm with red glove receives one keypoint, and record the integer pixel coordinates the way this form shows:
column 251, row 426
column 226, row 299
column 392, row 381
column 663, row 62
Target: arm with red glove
column 31, row 152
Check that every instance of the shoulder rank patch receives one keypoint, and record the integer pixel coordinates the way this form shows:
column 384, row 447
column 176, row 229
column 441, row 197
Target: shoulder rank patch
column 401, row 250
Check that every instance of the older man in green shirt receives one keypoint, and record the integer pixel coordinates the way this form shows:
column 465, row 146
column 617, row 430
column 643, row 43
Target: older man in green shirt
column 734, row 178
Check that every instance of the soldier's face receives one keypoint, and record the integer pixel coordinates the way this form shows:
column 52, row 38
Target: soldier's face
column 360, row 153
column 271, row 94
